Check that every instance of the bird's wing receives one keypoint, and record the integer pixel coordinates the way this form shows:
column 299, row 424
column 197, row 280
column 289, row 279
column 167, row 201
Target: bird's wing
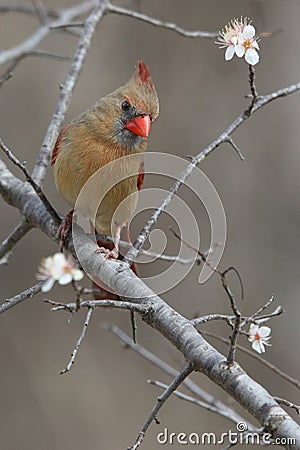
column 57, row 145
column 141, row 176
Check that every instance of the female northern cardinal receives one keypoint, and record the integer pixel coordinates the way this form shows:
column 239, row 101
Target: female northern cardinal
column 115, row 126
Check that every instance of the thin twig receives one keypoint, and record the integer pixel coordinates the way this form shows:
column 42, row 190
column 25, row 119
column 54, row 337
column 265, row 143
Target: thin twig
column 8, row 73
column 28, row 293
column 133, row 325
column 229, row 319
column 277, row 312
column 68, row 25
column 237, row 320
column 285, row 402
column 210, row 317
column 203, row 256
column 236, row 324
column 188, row 398
column 14, row 237
column 159, row 23
column 253, row 90
column 188, row 383
column 233, row 340
column 227, row 289
column 80, row 339
column 41, row 11
column 64, row 16
column 5, row 259
column 161, row 400
column 235, row 148
column 68, row 86
column 149, row 254
column 72, row 307
column 34, row 185
column 223, row 137
column 78, row 291
column 257, row 318
column 27, row 9
column 43, row 54
column 266, row 363
column 263, row 307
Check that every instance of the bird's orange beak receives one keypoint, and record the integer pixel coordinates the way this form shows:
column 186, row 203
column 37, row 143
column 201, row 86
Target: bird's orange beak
column 140, row 125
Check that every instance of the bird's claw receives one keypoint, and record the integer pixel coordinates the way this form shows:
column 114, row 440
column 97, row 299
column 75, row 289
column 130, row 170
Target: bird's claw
column 114, row 253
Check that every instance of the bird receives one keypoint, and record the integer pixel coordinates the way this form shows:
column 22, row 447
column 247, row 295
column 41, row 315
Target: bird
column 116, row 126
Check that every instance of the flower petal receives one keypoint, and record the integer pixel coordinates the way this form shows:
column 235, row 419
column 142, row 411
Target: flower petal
column 258, row 347
column 65, row 278
column 251, row 56
column 234, row 40
column 229, row 53
column 239, row 50
column 59, row 258
column 249, row 32
column 77, row 274
column 264, row 331
column 253, row 328
column 48, row 285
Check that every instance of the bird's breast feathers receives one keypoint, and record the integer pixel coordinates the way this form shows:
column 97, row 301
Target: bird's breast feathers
column 89, row 174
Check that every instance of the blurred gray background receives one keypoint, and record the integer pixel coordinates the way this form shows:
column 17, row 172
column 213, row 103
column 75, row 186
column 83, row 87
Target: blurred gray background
column 104, row 400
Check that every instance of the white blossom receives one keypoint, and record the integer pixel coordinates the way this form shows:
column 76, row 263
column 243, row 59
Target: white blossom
column 239, row 39
column 58, row 268
column 259, row 336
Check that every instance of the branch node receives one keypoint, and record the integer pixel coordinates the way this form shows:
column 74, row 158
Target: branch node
column 234, row 146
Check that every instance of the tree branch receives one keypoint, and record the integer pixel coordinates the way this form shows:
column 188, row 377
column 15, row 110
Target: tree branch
column 64, row 16
column 28, row 293
column 161, row 400
column 230, row 413
column 223, row 137
column 174, row 327
column 159, row 23
column 27, row 9
column 49, row 208
column 80, row 339
column 68, row 86
column 118, row 304
column 14, row 237
column 254, row 355
column 188, row 398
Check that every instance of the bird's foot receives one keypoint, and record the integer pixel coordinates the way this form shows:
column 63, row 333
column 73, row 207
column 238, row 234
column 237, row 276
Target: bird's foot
column 114, row 253
column 64, row 229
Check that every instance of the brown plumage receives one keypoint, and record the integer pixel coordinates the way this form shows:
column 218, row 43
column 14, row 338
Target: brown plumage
column 117, row 125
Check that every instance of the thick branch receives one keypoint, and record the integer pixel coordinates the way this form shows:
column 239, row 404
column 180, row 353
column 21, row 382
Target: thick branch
column 176, row 328
column 21, row 195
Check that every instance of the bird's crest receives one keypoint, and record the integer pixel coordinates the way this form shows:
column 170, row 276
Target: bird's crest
column 143, row 73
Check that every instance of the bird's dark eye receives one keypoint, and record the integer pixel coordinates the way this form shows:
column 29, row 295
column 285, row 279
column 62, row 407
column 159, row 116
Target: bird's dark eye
column 125, row 105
